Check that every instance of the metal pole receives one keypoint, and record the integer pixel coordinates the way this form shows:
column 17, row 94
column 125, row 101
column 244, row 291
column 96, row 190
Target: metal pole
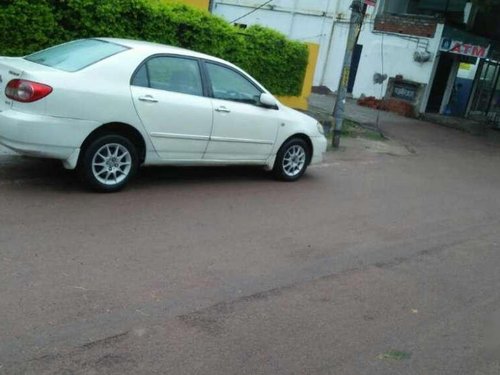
column 354, row 28
column 447, row 7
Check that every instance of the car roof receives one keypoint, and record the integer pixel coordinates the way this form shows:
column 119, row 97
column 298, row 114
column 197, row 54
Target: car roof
column 154, row 48
column 160, row 48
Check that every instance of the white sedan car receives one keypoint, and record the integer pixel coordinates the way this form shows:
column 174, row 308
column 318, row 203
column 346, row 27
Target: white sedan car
column 106, row 106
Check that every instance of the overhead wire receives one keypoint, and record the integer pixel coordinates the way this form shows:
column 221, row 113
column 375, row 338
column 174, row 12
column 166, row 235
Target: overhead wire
column 252, row 11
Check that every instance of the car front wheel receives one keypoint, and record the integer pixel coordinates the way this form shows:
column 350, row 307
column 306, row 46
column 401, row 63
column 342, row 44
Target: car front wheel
column 108, row 163
column 292, row 160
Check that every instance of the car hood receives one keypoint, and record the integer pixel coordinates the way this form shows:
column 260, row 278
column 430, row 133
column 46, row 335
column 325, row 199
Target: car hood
column 297, row 116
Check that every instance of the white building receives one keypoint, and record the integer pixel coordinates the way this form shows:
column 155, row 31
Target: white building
column 324, row 22
column 406, row 40
column 390, row 44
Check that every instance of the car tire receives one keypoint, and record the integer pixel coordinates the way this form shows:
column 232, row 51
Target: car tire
column 292, row 160
column 108, row 163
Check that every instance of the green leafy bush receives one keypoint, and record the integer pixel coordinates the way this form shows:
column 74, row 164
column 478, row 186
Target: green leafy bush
column 30, row 25
column 25, row 26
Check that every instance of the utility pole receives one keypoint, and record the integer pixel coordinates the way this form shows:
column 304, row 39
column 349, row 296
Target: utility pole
column 339, row 109
column 446, row 7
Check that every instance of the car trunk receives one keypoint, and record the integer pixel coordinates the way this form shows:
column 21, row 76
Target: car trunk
column 17, row 67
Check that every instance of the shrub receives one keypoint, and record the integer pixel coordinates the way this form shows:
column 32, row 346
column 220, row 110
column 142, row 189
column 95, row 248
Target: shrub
column 30, row 25
column 25, row 26
column 277, row 67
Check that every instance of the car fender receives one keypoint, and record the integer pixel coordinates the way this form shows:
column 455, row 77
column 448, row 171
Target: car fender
column 292, row 123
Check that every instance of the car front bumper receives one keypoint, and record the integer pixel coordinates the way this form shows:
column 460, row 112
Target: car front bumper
column 44, row 136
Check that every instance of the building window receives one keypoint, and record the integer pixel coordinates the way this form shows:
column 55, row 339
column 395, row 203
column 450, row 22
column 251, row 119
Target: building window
column 450, row 9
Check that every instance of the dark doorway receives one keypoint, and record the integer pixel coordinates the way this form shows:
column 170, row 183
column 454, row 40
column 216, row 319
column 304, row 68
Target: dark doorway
column 356, row 56
column 440, row 82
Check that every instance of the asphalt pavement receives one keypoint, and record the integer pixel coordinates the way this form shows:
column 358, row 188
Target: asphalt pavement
column 383, row 260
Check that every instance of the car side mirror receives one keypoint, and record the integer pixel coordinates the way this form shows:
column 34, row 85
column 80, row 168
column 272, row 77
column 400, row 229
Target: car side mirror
column 268, row 101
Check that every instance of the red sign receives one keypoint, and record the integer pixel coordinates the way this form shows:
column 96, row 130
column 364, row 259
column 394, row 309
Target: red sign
column 460, row 48
column 371, row 2
column 469, row 50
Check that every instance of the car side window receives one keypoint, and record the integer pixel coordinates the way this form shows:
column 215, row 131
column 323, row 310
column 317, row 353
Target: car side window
column 141, row 77
column 168, row 73
column 228, row 84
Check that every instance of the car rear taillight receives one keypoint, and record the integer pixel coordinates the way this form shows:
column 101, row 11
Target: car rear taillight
column 26, row 91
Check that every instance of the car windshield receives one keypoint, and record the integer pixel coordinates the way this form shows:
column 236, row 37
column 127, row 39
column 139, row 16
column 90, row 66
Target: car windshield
column 76, row 55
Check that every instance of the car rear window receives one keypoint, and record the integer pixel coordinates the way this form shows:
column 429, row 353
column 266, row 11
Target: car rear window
column 76, row 55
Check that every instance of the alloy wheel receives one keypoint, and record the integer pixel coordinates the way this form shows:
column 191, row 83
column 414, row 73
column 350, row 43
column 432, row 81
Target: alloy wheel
column 294, row 160
column 111, row 164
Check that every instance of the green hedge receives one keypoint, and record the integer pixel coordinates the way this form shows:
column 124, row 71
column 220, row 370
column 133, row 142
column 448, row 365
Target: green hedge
column 30, row 25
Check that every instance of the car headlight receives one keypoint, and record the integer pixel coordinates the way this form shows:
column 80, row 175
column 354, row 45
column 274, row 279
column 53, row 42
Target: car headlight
column 320, row 128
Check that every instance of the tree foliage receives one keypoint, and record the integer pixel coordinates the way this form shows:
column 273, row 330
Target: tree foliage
column 30, row 25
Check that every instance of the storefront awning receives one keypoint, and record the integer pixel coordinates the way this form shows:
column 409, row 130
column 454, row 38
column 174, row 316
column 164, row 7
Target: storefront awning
column 443, row 5
column 465, row 36
column 461, row 42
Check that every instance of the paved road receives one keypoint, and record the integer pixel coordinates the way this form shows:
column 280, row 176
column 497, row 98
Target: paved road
column 375, row 263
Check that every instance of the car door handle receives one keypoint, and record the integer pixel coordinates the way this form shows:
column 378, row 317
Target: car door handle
column 223, row 110
column 148, row 99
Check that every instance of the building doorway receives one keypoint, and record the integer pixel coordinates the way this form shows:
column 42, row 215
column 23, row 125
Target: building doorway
column 463, row 87
column 356, row 57
column 440, row 83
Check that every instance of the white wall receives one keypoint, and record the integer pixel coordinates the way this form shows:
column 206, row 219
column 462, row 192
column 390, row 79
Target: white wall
column 398, row 60
column 317, row 21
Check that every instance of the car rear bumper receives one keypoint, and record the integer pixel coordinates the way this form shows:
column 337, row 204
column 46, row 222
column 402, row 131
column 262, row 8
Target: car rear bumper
column 319, row 149
column 44, row 136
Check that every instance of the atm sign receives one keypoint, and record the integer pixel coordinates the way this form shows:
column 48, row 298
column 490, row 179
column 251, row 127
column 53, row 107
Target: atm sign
column 461, row 48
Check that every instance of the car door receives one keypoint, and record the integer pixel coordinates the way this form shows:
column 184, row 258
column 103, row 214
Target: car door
column 242, row 128
column 169, row 98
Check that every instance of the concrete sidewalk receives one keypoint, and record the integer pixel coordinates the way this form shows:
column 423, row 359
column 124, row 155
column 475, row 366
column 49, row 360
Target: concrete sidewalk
column 321, row 107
